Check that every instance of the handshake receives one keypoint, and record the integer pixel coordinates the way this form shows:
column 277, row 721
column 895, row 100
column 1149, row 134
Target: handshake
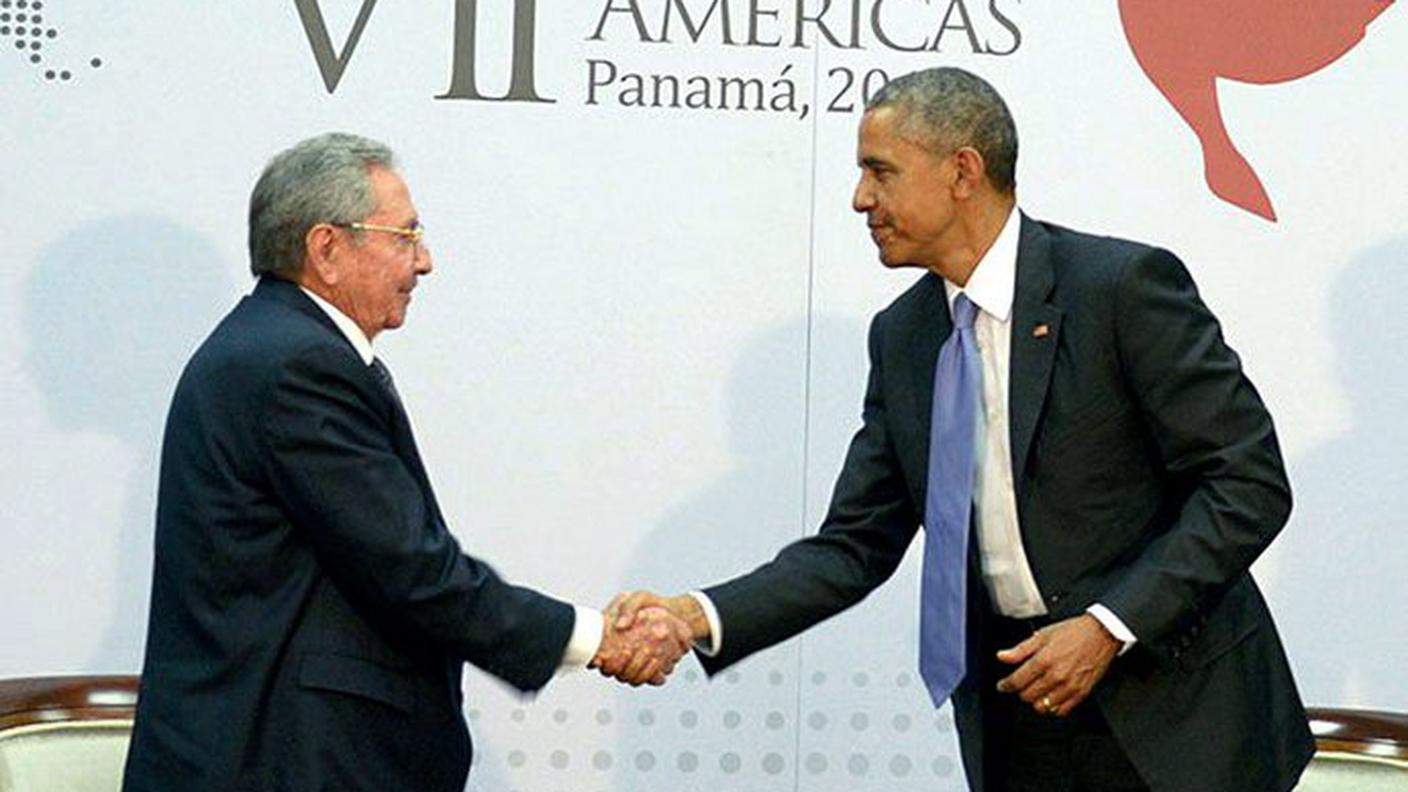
column 644, row 635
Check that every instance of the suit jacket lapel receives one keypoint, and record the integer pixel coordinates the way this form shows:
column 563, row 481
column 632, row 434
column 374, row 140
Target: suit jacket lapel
column 928, row 328
column 1036, row 330
column 403, row 439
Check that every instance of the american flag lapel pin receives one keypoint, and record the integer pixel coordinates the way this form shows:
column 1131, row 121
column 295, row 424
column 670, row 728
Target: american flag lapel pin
column 1041, row 330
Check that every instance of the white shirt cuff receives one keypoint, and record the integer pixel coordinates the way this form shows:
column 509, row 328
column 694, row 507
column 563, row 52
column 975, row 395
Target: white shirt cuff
column 585, row 640
column 716, row 629
column 1113, row 625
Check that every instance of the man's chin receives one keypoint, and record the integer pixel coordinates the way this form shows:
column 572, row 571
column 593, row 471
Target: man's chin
column 892, row 261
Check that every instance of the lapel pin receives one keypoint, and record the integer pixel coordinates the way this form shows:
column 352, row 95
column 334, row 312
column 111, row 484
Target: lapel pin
column 1041, row 331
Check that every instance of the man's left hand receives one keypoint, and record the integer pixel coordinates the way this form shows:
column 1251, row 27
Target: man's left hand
column 1060, row 664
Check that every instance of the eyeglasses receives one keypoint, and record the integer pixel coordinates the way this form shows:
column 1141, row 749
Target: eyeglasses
column 412, row 236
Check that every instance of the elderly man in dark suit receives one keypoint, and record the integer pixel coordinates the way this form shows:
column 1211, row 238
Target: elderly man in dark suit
column 1094, row 472
column 311, row 613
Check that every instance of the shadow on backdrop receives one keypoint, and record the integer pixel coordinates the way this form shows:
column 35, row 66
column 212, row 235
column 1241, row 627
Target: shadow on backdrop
column 744, row 728
column 111, row 312
column 674, row 737
column 1345, row 558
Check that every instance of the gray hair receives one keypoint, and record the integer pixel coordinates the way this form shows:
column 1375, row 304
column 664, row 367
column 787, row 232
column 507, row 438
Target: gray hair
column 323, row 179
column 948, row 108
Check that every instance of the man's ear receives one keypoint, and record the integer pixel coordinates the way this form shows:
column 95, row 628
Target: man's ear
column 320, row 250
column 970, row 172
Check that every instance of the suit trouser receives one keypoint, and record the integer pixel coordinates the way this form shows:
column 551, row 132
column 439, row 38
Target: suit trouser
column 1026, row 751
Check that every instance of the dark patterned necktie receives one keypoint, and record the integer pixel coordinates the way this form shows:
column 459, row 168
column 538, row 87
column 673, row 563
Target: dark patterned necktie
column 383, row 376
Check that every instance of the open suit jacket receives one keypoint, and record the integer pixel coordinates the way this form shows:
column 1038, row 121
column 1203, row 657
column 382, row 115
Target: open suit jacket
column 1147, row 478
column 310, row 612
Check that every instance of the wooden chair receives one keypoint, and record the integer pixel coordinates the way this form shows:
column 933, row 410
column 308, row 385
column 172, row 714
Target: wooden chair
column 1357, row 751
column 65, row 733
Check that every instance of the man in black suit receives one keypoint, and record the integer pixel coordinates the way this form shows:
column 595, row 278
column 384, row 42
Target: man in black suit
column 1124, row 475
column 310, row 612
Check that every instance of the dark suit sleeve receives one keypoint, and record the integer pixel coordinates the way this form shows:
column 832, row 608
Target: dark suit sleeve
column 867, row 529
column 329, row 457
column 1215, row 440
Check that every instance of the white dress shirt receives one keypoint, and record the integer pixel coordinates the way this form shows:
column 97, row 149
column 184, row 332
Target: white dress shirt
column 587, row 627
column 1006, row 573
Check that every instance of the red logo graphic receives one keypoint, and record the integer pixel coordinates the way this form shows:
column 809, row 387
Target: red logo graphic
column 1184, row 45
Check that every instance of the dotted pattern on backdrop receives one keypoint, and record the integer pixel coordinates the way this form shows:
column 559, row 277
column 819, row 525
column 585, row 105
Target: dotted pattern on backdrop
column 24, row 28
column 854, row 735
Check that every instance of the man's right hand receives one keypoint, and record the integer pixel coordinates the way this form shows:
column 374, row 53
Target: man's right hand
column 643, row 650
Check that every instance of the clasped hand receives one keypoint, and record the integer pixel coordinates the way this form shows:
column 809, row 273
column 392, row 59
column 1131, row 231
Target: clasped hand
column 641, row 641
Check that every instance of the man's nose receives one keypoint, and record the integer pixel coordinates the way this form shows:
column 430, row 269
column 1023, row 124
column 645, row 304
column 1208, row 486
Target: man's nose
column 863, row 199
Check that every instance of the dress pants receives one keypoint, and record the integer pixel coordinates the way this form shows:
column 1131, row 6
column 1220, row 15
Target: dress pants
column 1029, row 752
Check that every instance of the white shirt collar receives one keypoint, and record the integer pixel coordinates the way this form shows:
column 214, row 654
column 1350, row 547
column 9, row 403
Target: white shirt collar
column 994, row 280
column 349, row 328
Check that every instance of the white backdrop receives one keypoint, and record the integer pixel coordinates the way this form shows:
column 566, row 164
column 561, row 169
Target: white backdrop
column 642, row 351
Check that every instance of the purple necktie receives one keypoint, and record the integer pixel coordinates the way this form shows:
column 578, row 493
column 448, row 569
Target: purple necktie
column 948, row 505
